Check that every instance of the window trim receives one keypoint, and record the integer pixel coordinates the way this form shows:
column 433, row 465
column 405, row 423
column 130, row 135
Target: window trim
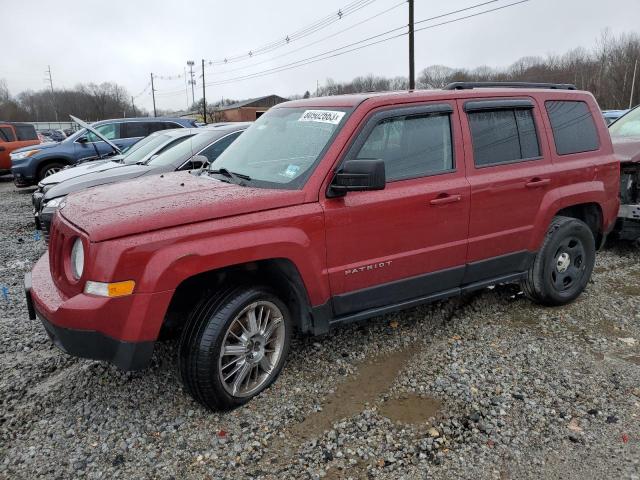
column 553, row 135
column 508, row 105
column 488, row 105
column 151, row 120
column 399, row 111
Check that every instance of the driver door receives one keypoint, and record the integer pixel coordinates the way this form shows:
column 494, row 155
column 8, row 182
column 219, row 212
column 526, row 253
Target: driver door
column 409, row 240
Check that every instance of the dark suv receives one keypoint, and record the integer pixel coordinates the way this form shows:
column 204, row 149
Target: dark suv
column 327, row 211
column 31, row 164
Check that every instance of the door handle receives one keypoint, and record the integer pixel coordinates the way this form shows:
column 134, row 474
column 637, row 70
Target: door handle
column 445, row 198
column 2, row 149
column 537, row 182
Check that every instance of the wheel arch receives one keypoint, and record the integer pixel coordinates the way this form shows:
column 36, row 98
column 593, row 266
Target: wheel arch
column 280, row 274
column 583, row 201
column 48, row 161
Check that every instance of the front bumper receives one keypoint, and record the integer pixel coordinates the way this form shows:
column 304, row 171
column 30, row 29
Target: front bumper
column 21, row 178
column 121, row 330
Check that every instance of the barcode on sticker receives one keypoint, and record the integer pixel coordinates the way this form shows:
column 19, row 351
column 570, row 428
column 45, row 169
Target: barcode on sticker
column 323, row 116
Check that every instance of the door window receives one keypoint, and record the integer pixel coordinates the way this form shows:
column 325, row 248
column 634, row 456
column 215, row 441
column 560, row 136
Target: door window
column 411, row 146
column 503, row 136
column 110, row 131
column 135, row 129
column 6, row 134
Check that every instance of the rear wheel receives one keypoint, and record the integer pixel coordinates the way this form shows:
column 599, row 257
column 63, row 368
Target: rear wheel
column 563, row 265
column 234, row 346
column 49, row 169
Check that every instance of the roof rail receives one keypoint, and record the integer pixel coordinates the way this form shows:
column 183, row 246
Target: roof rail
column 471, row 85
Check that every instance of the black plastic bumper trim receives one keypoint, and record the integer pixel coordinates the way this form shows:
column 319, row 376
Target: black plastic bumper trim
column 91, row 344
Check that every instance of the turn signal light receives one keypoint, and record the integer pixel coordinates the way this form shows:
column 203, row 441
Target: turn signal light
column 116, row 289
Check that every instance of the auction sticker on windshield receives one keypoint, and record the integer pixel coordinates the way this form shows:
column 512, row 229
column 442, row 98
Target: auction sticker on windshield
column 323, row 116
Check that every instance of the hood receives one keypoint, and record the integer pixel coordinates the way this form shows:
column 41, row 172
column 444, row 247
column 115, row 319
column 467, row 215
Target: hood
column 94, row 179
column 79, row 169
column 37, row 146
column 155, row 202
column 627, row 149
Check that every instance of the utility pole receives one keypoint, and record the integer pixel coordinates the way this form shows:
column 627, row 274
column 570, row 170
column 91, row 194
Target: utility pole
column 190, row 64
column 412, row 65
column 133, row 105
column 153, row 95
column 53, row 100
column 633, row 83
column 204, row 96
column 186, row 88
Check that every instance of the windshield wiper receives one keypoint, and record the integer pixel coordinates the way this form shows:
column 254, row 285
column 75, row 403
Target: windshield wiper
column 230, row 174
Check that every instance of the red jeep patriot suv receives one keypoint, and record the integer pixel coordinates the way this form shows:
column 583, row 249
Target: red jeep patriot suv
column 327, row 211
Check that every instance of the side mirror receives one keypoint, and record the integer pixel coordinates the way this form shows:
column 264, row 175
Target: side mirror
column 82, row 140
column 358, row 176
column 199, row 161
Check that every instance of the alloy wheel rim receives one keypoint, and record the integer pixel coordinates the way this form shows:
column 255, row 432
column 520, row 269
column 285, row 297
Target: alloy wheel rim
column 51, row 171
column 251, row 348
column 568, row 265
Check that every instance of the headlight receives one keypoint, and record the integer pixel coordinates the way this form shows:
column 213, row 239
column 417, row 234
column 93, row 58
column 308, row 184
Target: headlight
column 54, row 203
column 20, row 155
column 77, row 259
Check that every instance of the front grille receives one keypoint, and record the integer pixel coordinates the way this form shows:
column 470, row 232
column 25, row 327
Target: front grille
column 56, row 243
column 36, row 199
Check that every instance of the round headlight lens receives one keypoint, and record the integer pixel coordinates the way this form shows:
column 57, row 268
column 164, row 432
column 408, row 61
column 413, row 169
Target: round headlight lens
column 77, row 259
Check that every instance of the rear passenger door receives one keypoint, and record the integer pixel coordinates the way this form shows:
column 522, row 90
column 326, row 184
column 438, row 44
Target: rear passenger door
column 408, row 240
column 508, row 171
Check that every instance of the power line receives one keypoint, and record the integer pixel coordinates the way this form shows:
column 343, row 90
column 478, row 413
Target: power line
column 336, row 52
column 304, row 32
column 268, row 60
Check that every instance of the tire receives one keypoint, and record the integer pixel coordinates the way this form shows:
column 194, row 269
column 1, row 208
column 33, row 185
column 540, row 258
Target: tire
column 563, row 265
column 223, row 319
column 49, row 169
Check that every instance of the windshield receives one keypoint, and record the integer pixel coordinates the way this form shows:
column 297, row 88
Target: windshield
column 627, row 126
column 281, row 148
column 140, row 151
column 174, row 152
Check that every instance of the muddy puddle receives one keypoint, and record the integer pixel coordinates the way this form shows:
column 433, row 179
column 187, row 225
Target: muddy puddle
column 411, row 409
column 351, row 397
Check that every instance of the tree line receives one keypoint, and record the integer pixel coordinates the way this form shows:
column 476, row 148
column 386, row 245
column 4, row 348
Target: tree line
column 90, row 102
column 606, row 70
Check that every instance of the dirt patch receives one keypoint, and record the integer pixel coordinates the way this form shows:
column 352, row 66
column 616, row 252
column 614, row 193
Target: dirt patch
column 411, row 409
column 373, row 379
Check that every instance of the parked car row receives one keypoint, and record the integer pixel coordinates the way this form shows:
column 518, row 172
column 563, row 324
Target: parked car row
column 30, row 165
column 161, row 152
column 324, row 211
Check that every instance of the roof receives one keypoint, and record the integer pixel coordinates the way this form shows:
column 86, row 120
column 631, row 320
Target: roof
column 252, row 101
column 353, row 100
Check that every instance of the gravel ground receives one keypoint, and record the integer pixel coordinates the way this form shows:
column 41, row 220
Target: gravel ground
column 481, row 387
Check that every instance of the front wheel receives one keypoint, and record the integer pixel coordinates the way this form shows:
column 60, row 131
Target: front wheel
column 563, row 265
column 50, row 169
column 234, row 346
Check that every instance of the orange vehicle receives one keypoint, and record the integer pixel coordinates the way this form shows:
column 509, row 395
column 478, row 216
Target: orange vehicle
column 14, row 135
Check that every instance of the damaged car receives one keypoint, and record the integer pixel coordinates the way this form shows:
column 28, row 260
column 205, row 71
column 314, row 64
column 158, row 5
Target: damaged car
column 625, row 136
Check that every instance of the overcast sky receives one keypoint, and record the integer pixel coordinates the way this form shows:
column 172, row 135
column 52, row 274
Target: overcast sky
column 123, row 41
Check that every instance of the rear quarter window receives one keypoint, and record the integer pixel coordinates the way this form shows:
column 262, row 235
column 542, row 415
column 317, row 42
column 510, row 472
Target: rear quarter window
column 574, row 130
column 26, row 132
